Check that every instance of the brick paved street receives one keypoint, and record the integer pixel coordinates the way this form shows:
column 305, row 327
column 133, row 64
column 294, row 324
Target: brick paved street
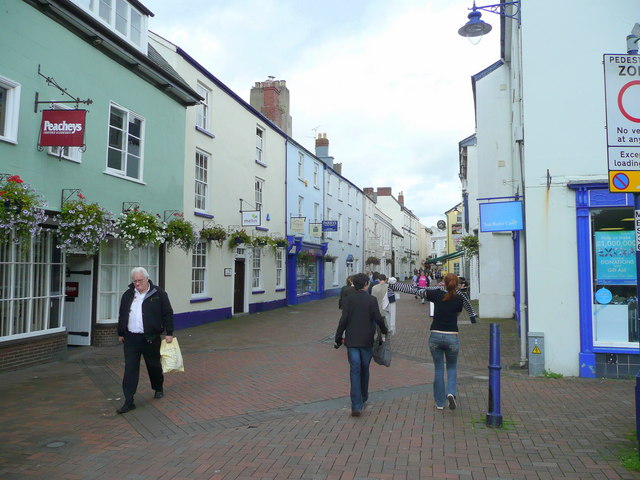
column 266, row 397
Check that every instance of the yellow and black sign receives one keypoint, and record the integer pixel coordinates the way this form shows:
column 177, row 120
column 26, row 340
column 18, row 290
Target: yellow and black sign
column 536, row 350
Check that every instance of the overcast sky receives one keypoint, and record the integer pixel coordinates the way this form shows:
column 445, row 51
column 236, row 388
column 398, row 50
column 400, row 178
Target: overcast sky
column 389, row 82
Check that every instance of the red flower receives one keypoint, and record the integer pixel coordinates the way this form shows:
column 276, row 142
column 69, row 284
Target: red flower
column 81, row 196
column 2, row 193
column 15, row 178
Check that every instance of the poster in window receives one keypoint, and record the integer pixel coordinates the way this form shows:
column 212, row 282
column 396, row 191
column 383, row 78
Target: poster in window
column 615, row 258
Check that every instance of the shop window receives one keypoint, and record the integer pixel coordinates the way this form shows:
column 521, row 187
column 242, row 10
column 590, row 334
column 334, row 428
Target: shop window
column 306, row 277
column 615, row 301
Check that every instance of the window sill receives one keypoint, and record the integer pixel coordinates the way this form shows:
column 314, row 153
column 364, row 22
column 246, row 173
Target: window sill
column 316, row 187
column 262, row 229
column 200, row 299
column 123, row 177
column 202, row 214
column 205, row 132
column 261, row 164
column 8, row 140
column 281, row 289
column 257, row 292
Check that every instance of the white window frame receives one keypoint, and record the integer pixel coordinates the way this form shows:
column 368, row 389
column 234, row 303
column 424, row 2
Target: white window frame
column 73, row 154
column 201, row 181
column 280, row 267
column 301, row 166
column 349, row 195
column 357, row 234
column 329, row 192
column 123, row 172
column 256, row 269
column 260, row 144
column 258, row 192
column 316, row 209
column 11, row 111
column 203, row 109
column 316, row 174
column 336, row 268
column 339, row 190
column 328, row 217
column 199, row 287
column 349, row 230
column 340, row 227
column 300, row 205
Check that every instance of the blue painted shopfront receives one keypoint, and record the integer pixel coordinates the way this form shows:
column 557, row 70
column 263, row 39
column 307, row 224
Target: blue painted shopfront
column 305, row 280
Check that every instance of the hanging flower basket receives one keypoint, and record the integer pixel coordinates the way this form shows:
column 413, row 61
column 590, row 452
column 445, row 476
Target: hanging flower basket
column 330, row 258
column 259, row 242
column 373, row 261
column 278, row 242
column 388, row 261
column 139, row 229
column 180, row 233
column 237, row 238
column 306, row 257
column 83, row 227
column 214, row 234
column 21, row 210
column 403, row 259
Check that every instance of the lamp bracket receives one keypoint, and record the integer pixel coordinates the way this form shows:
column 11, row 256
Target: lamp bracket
column 499, row 9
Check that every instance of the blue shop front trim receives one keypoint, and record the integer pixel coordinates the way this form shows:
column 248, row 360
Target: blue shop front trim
column 200, row 317
column 594, row 360
column 296, row 295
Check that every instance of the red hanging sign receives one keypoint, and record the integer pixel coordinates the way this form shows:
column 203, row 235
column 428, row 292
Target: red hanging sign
column 62, row 128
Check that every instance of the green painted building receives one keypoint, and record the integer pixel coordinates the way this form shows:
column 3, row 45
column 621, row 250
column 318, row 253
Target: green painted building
column 133, row 154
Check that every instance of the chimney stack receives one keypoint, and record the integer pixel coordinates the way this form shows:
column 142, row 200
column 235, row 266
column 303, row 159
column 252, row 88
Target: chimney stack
column 322, row 149
column 271, row 98
column 401, row 198
column 384, row 191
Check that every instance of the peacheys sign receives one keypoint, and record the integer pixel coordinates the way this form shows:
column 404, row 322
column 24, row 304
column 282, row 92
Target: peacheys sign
column 62, row 128
column 622, row 99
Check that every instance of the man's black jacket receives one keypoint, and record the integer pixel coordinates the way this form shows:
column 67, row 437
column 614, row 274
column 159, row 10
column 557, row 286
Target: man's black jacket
column 360, row 314
column 157, row 314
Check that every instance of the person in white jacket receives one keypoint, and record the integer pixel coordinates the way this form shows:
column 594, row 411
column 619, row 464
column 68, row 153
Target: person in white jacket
column 380, row 291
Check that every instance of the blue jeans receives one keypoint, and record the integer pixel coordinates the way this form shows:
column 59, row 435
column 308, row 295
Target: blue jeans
column 359, row 361
column 444, row 346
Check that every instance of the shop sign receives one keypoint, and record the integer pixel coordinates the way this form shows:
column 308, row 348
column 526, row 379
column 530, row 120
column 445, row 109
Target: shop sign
column 329, row 225
column 251, row 218
column 62, row 128
column 297, row 224
column 315, row 230
column 71, row 289
column 637, row 227
column 501, row 216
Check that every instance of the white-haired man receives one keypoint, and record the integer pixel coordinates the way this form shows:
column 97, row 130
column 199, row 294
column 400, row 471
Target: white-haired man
column 145, row 313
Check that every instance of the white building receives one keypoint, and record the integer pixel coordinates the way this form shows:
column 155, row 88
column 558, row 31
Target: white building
column 378, row 230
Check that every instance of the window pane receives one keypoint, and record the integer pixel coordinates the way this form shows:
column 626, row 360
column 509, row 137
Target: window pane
column 135, row 127
column 116, row 118
column 114, row 159
column 105, row 10
column 133, row 166
column 121, row 16
column 136, row 27
column 3, row 109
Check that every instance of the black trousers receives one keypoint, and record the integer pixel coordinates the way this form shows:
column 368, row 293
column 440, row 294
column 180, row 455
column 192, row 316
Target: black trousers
column 135, row 346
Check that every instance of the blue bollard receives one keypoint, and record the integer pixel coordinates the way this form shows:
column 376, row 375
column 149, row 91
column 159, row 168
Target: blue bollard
column 638, row 410
column 494, row 417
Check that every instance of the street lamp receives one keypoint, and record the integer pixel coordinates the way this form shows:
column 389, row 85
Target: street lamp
column 476, row 27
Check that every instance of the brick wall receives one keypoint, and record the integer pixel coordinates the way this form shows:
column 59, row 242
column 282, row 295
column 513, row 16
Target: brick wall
column 27, row 352
column 105, row 335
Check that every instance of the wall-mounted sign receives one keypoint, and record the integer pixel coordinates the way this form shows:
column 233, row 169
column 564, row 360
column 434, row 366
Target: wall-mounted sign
column 71, row 289
column 227, row 272
column 615, row 258
column 441, row 224
column 297, row 224
column 62, row 128
column 501, row 216
column 315, row 230
column 456, row 229
column 329, row 225
column 251, row 218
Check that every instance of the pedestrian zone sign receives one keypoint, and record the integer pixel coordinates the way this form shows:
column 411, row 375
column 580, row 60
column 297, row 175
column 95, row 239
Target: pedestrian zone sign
column 622, row 100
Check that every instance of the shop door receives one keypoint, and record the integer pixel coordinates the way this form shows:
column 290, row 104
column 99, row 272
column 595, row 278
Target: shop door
column 77, row 305
column 238, row 287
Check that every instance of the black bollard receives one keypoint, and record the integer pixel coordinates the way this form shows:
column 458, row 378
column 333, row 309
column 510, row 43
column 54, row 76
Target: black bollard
column 494, row 417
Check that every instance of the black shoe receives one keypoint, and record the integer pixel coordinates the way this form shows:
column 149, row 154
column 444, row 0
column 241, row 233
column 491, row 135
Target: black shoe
column 356, row 413
column 452, row 401
column 127, row 407
column 158, row 394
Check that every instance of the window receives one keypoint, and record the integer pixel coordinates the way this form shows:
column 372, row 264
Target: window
column 328, row 217
column 300, row 166
column 116, row 262
column 68, row 153
column 349, row 195
column 357, row 234
column 316, row 175
column 456, row 268
column 300, row 206
column 201, row 181
column 336, row 273
column 316, row 208
column 306, row 277
column 339, row 190
column 124, row 155
column 202, row 110
column 199, row 269
column 256, row 277
column 349, row 230
column 329, row 192
column 31, row 280
column 9, row 109
column 340, row 227
column 259, row 185
column 259, row 145
column 121, row 17
column 280, row 264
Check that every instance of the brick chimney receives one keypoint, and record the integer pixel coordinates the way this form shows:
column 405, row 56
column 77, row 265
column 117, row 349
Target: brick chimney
column 401, row 198
column 384, row 191
column 271, row 98
column 322, row 149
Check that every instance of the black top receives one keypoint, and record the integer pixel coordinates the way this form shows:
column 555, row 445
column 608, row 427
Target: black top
column 157, row 313
column 360, row 314
column 445, row 313
column 345, row 292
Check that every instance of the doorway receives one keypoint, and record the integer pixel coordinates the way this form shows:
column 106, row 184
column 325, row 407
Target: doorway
column 238, row 286
column 77, row 302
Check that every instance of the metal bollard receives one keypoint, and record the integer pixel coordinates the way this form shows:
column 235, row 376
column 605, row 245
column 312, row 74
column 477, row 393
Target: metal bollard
column 494, row 417
column 638, row 409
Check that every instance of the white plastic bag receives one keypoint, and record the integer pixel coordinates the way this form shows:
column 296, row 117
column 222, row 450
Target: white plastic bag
column 171, row 357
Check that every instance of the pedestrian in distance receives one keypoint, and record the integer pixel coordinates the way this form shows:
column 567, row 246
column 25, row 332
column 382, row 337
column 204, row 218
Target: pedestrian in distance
column 345, row 291
column 360, row 315
column 380, row 292
column 423, row 282
column 444, row 342
column 145, row 313
column 374, row 280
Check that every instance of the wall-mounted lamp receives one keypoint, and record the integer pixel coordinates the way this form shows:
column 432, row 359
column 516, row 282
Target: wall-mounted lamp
column 475, row 28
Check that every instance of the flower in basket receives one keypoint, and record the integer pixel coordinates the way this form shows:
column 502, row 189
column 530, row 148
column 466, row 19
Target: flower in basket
column 83, row 226
column 180, row 233
column 373, row 261
column 306, row 257
column 214, row 234
column 21, row 210
column 139, row 229
column 259, row 242
column 238, row 237
column 278, row 242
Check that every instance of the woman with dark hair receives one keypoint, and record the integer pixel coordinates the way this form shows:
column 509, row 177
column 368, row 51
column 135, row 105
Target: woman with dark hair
column 346, row 290
column 444, row 343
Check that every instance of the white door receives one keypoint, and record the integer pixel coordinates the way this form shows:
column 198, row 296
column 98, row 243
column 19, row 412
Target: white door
column 77, row 305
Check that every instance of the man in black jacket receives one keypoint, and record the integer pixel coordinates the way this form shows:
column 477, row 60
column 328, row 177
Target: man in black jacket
column 145, row 312
column 360, row 314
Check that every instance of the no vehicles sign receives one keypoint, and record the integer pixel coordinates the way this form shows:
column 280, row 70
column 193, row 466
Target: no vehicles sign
column 622, row 98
